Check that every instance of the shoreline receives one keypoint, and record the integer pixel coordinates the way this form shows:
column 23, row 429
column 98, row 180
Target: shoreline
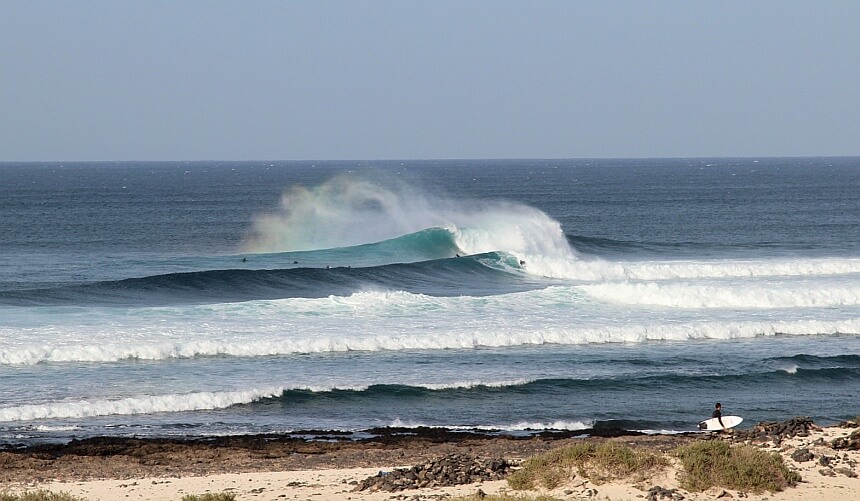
column 126, row 457
column 283, row 467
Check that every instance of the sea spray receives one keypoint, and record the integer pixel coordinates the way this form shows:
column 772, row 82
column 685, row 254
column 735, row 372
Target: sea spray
column 349, row 211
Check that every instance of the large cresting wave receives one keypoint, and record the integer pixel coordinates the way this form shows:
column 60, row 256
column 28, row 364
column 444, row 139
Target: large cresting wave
column 348, row 211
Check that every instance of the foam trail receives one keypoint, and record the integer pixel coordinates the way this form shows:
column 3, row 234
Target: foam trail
column 521, row 426
column 725, row 296
column 555, row 425
column 135, row 405
column 598, row 270
column 472, row 384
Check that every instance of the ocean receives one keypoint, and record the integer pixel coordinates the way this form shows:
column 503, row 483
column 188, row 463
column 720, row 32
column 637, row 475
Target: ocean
column 188, row 299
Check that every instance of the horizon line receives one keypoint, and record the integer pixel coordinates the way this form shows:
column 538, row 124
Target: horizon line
column 446, row 159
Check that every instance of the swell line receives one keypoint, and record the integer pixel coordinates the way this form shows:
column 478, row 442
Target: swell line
column 388, row 394
column 444, row 277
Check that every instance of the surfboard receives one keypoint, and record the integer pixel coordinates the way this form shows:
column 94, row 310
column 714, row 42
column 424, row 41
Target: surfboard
column 713, row 424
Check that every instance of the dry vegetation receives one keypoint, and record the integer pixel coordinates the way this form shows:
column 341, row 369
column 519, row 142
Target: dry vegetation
column 597, row 462
column 39, row 496
column 54, row 496
column 220, row 496
column 704, row 465
column 504, row 497
column 743, row 467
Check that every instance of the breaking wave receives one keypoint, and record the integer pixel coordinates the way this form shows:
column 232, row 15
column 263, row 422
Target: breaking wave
column 108, row 350
column 392, row 395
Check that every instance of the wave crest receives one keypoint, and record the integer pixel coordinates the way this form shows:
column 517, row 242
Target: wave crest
column 491, row 337
column 135, row 405
column 347, row 211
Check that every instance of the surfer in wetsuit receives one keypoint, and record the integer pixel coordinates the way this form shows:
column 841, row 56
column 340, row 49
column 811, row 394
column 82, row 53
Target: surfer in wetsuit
column 718, row 413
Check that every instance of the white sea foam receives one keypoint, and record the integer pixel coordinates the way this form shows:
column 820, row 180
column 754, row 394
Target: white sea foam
column 472, row 384
column 686, row 295
column 147, row 404
column 195, row 401
column 467, row 336
column 668, row 432
column 520, row 426
column 598, row 270
column 51, row 429
column 606, row 312
column 555, row 425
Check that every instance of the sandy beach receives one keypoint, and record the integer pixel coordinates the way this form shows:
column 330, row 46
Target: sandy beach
column 272, row 468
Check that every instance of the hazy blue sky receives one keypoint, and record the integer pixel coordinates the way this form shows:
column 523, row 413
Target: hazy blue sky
column 193, row 80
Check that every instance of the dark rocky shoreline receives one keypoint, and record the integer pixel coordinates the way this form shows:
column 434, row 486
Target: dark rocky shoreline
column 459, row 453
column 120, row 457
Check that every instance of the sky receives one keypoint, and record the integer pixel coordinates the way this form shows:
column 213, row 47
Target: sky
column 327, row 80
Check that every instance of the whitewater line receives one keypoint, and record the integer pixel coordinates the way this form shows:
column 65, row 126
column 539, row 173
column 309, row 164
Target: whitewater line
column 490, row 338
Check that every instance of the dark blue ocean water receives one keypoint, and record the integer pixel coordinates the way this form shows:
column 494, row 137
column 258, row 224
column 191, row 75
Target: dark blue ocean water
column 165, row 299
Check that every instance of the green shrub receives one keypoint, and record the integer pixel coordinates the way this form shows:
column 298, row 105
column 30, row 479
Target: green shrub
column 744, row 468
column 220, row 496
column 597, row 462
column 39, row 496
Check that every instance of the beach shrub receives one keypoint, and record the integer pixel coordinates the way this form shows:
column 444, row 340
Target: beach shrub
column 504, row 497
column 41, row 495
column 715, row 463
column 597, row 462
column 219, row 496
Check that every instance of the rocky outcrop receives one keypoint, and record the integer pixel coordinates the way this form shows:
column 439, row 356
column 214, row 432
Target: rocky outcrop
column 849, row 443
column 802, row 455
column 658, row 493
column 454, row 469
column 778, row 431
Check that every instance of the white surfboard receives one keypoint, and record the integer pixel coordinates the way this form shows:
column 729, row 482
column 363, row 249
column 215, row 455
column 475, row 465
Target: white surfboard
column 713, row 424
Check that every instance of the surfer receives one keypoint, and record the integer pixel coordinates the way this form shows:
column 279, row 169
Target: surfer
column 718, row 413
column 719, row 423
